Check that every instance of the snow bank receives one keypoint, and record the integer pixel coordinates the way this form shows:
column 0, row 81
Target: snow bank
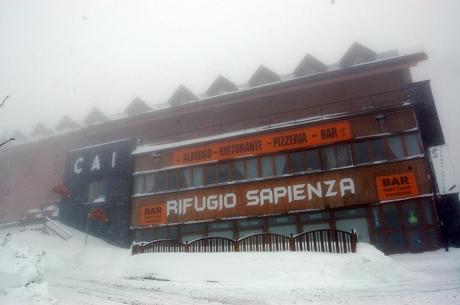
column 37, row 268
column 288, row 270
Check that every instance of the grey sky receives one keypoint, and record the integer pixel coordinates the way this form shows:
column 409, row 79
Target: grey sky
column 64, row 57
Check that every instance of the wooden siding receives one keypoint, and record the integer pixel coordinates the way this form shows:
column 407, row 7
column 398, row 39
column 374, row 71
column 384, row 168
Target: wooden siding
column 363, row 179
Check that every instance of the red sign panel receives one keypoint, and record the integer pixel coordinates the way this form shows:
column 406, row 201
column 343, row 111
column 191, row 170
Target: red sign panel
column 396, row 186
column 265, row 143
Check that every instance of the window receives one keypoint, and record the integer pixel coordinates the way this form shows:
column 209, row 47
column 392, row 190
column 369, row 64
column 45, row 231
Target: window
column 96, row 191
column 298, row 163
column 149, row 183
column 336, row 156
column 172, row 180
column 211, row 172
column 395, row 147
column 412, row 144
column 313, row 162
column 185, row 176
column 139, row 185
column 361, row 152
column 410, row 214
column 391, row 216
column 161, row 181
column 251, row 169
column 266, row 166
column 238, row 170
column 281, row 167
column 224, row 172
column 427, row 211
column 378, row 150
column 198, row 176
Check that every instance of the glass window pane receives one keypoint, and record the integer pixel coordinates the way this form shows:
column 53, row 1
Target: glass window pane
column 191, row 237
column 313, row 159
column 432, row 236
column 96, row 191
column 249, row 223
column 211, row 172
column 139, row 185
column 285, row 230
column 350, row 213
column 391, row 216
column 375, row 218
column 193, row 228
column 267, row 166
column 415, row 240
column 428, row 211
column 227, row 234
column 148, row 235
column 238, row 170
column 251, row 169
column 245, row 233
column 396, row 241
column 361, row 152
column 378, row 150
column 316, row 226
column 161, row 181
column 343, row 154
column 412, row 144
column 185, row 175
column 173, row 232
column 220, row 226
column 328, row 157
column 197, row 176
column 379, row 241
column 138, row 236
column 162, row 232
column 395, row 147
column 283, row 220
column 149, row 183
column 297, row 162
column 224, row 172
column 172, row 180
column 317, row 216
column 410, row 214
column 281, row 164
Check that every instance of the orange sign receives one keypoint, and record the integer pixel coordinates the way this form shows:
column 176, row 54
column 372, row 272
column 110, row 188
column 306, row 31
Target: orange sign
column 396, row 186
column 99, row 215
column 265, row 143
column 153, row 214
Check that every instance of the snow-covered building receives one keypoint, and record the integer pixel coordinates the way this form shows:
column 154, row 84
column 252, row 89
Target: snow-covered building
column 337, row 146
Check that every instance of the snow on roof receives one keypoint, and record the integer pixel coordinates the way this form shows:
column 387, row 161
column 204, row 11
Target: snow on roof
column 148, row 148
column 100, row 144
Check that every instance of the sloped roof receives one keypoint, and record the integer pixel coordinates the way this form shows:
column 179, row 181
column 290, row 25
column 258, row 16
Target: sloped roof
column 95, row 117
column 181, row 95
column 18, row 135
column 309, row 65
column 357, row 54
column 67, row 123
column 137, row 106
column 221, row 85
column 262, row 76
column 41, row 131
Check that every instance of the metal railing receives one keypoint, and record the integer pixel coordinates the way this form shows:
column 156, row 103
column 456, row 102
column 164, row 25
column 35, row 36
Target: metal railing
column 329, row 241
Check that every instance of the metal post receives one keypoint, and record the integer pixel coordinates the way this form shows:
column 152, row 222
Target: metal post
column 87, row 228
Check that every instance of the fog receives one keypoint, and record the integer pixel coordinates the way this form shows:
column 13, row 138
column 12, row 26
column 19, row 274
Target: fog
column 65, row 57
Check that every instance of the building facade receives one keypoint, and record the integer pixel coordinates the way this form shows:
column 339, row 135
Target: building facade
column 329, row 146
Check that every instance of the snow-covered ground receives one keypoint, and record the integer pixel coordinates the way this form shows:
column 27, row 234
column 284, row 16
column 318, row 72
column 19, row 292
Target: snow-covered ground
column 36, row 268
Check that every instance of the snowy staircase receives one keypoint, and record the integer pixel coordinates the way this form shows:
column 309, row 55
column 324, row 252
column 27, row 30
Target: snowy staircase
column 52, row 227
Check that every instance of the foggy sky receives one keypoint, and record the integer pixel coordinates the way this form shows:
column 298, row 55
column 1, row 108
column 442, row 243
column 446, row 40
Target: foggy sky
column 64, row 57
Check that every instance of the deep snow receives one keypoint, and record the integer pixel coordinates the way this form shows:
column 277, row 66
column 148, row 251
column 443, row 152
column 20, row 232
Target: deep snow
column 36, row 268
